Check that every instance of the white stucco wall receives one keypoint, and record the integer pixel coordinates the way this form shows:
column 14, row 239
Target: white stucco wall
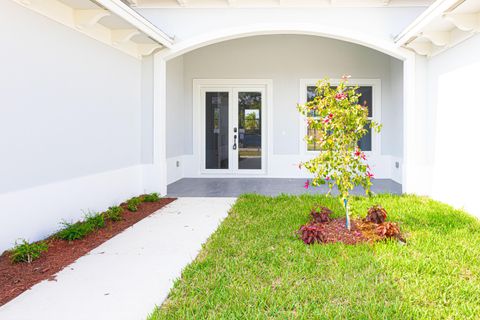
column 177, row 119
column 285, row 59
column 69, row 124
column 147, row 99
column 189, row 23
column 452, row 127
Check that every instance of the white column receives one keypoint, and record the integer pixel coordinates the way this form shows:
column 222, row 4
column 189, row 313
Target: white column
column 416, row 171
column 155, row 175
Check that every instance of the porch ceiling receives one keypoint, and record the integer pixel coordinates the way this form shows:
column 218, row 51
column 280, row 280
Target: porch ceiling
column 274, row 3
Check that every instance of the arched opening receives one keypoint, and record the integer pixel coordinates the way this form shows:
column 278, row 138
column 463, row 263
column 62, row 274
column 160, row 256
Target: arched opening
column 289, row 60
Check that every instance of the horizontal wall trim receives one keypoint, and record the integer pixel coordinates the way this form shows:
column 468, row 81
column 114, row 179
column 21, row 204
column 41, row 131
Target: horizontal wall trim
column 280, row 166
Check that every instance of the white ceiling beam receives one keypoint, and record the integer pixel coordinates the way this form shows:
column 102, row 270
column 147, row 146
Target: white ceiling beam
column 133, row 2
column 464, row 21
column 422, row 48
column 434, row 11
column 123, row 35
column 438, row 38
column 145, row 49
column 136, row 20
column 182, row 3
column 89, row 17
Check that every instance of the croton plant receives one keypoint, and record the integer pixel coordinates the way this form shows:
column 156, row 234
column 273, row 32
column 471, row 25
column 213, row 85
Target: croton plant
column 339, row 122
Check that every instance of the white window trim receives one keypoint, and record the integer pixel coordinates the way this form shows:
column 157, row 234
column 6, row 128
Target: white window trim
column 376, row 85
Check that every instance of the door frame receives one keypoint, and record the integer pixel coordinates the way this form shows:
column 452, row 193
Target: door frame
column 231, row 85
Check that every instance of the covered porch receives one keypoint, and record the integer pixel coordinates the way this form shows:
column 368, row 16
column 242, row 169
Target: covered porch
column 230, row 113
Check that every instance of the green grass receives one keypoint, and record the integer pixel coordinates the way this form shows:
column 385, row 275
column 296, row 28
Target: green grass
column 253, row 266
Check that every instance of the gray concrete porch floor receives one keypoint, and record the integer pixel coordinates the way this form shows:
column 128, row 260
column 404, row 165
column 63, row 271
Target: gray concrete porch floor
column 233, row 187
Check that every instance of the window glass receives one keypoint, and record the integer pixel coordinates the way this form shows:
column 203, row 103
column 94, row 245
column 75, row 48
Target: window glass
column 366, row 99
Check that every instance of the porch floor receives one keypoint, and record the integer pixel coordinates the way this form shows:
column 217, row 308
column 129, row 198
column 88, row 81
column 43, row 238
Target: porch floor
column 233, row 187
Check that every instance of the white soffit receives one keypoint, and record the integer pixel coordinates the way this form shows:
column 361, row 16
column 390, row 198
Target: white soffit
column 108, row 21
column 443, row 25
column 275, row 3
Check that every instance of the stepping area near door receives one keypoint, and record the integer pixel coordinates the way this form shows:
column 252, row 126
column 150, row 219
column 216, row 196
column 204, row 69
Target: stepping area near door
column 233, row 187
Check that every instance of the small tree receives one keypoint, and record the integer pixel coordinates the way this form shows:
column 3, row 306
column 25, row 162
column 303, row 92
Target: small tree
column 340, row 122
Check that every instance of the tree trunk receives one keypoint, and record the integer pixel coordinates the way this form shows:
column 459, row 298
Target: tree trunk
column 347, row 220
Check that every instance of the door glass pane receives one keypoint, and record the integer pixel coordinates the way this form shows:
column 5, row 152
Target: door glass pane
column 249, row 130
column 216, row 130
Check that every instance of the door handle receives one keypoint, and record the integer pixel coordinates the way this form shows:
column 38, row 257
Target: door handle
column 234, row 142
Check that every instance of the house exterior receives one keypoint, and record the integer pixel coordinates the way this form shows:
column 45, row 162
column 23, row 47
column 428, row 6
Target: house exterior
column 108, row 99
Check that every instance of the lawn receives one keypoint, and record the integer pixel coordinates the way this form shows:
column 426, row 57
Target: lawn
column 253, row 266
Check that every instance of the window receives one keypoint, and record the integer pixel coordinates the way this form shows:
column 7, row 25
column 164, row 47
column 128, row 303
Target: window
column 366, row 91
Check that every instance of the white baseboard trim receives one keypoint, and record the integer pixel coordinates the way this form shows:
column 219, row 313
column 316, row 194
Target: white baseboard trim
column 396, row 173
column 282, row 166
column 35, row 213
column 175, row 172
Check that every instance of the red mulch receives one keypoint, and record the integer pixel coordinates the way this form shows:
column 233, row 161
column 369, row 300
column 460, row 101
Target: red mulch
column 360, row 231
column 336, row 232
column 19, row 277
column 323, row 229
column 333, row 231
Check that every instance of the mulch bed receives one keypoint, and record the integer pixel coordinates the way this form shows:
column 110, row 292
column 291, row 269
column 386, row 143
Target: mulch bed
column 19, row 277
column 335, row 231
column 323, row 229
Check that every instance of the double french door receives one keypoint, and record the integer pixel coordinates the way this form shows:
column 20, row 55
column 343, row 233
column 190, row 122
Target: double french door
column 233, row 139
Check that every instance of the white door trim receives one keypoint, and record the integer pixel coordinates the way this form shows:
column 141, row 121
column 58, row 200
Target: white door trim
column 199, row 85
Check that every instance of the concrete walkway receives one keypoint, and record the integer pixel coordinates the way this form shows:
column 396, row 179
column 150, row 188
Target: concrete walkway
column 128, row 275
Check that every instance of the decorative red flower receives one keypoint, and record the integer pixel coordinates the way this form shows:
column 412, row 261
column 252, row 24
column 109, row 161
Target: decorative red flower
column 340, row 96
column 369, row 175
column 359, row 153
column 327, row 178
column 307, row 184
column 330, row 115
column 326, row 120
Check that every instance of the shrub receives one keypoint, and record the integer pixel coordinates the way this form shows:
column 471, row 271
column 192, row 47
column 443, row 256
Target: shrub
column 80, row 229
column 132, row 204
column 376, row 214
column 321, row 214
column 114, row 213
column 26, row 251
column 388, row 230
column 311, row 233
column 152, row 197
column 74, row 231
column 96, row 220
